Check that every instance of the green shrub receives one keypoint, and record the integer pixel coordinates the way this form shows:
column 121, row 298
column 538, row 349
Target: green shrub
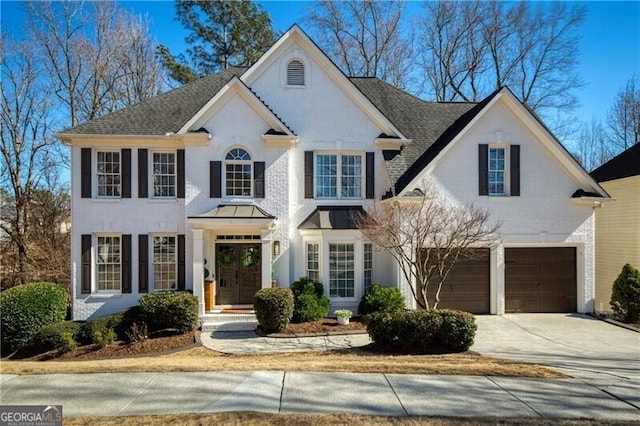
column 458, row 329
column 59, row 335
column 420, row 330
column 274, row 308
column 625, row 294
column 381, row 299
column 102, row 329
column 25, row 309
column 309, row 301
column 169, row 309
column 104, row 337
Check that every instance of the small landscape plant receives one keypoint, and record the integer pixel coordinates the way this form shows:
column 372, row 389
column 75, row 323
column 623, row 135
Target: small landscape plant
column 274, row 308
column 381, row 299
column 59, row 335
column 343, row 313
column 138, row 332
column 25, row 309
column 310, row 302
column 102, row 331
column 625, row 294
column 169, row 309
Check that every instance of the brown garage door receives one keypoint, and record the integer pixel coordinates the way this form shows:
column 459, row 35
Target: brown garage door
column 467, row 285
column 540, row 279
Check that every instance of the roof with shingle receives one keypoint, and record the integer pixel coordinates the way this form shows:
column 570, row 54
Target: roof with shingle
column 624, row 165
column 162, row 114
column 430, row 125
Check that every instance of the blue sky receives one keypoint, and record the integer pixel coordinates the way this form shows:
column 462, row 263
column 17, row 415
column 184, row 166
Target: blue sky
column 609, row 47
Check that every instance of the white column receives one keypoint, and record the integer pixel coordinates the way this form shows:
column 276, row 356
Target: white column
column 267, row 258
column 497, row 289
column 198, row 268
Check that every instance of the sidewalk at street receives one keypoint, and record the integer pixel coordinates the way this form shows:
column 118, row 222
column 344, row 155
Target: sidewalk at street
column 120, row 394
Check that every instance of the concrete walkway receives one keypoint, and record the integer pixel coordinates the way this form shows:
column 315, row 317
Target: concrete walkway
column 120, row 394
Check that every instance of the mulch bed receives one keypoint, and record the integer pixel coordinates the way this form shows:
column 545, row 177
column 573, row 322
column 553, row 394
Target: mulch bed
column 324, row 326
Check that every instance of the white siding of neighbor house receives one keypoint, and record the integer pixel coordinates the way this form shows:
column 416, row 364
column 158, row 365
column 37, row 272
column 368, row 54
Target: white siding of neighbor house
column 542, row 216
column 617, row 236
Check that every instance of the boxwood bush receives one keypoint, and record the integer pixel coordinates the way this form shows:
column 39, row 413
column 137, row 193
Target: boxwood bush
column 625, row 294
column 59, row 335
column 169, row 309
column 25, row 309
column 421, row 330
column 309, row 300
column 381, row 299
column 102, row 330
column 274, row 308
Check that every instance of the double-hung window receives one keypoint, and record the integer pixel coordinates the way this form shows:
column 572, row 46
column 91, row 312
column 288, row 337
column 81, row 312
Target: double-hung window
column 164, row 174
column 497, row 165
column 238, row 173
column 108, row 173
column 368, row 266
column 108, row 263
column 164, row 263
column 338, row 176
column 313, row 261
column 341, row 270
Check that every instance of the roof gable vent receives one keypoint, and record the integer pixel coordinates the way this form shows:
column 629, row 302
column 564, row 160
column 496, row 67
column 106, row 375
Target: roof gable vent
column 295, row 73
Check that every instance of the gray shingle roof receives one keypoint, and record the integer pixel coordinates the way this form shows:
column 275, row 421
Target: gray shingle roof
column 431, row 126
column 624, row 165
column 161, row 114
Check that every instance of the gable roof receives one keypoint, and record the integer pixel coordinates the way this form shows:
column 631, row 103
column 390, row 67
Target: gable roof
column 162, row 114
column 623, row 165
column 430, row 125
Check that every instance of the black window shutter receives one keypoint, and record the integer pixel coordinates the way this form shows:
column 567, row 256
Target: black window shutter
column 483, row 167
column 143, row 263
column 85, row 172
column 215, row 179
column 181, row 261
column 371, row 176
column 180, row 170
column 85, row 274
column 126, row 263
column 308, row 174
column 126, row 173
column 258, row 179
column 515, row 170
column 143, row 177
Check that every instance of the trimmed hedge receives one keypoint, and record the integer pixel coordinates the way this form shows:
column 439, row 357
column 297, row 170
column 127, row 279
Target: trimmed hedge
column 101, row 331
column 274, row 308
column 59, row 335
column 381, row 299
column 420, row 330
column 25, row 309
column 309, row 301
column 169, row 309
column 625, row 294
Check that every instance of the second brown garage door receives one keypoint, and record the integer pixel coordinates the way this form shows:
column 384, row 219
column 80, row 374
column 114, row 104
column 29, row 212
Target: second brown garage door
column 540, row 279
column 467, row 285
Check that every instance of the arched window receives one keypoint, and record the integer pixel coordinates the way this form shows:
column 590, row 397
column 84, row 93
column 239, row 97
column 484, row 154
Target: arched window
column 295, row 73
column 238, row 173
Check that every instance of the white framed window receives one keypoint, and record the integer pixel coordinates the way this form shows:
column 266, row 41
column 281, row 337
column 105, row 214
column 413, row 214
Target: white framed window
column 238, row 173
column 497, row 170
column 295, row 73
column 367, row 266
column 338, row 176
column 108, row 263
column 313, row 261
column 163, row 174
column 341, row 270
column 165, row 264
column 108, row 173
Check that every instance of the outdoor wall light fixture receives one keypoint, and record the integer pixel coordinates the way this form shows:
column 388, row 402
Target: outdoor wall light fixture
column 276, row 248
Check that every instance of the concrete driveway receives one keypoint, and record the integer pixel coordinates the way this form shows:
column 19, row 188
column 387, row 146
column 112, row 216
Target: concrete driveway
column 600, row 354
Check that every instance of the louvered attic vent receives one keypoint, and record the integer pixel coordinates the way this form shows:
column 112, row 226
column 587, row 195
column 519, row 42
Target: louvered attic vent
column 295, row 73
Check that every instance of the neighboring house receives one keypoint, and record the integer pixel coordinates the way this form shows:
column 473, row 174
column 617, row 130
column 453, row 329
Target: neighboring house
column 256, row 175
column 617, row 223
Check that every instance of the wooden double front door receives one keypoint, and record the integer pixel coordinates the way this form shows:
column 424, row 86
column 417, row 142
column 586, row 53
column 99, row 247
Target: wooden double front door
column 238, row 272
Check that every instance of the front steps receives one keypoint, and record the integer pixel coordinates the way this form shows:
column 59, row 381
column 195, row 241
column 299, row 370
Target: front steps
column 212, row 322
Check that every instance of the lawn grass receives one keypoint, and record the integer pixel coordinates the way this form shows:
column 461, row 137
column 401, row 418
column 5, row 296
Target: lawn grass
column 348, row 360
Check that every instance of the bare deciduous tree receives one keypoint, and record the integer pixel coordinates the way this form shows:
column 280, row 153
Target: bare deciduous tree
column 365, row 38
column 472, row 48
column 624, row 117
column 594, row 148
column 427, row 235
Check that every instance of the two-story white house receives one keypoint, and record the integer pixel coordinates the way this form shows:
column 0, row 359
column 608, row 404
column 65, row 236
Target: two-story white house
column 255, row 175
